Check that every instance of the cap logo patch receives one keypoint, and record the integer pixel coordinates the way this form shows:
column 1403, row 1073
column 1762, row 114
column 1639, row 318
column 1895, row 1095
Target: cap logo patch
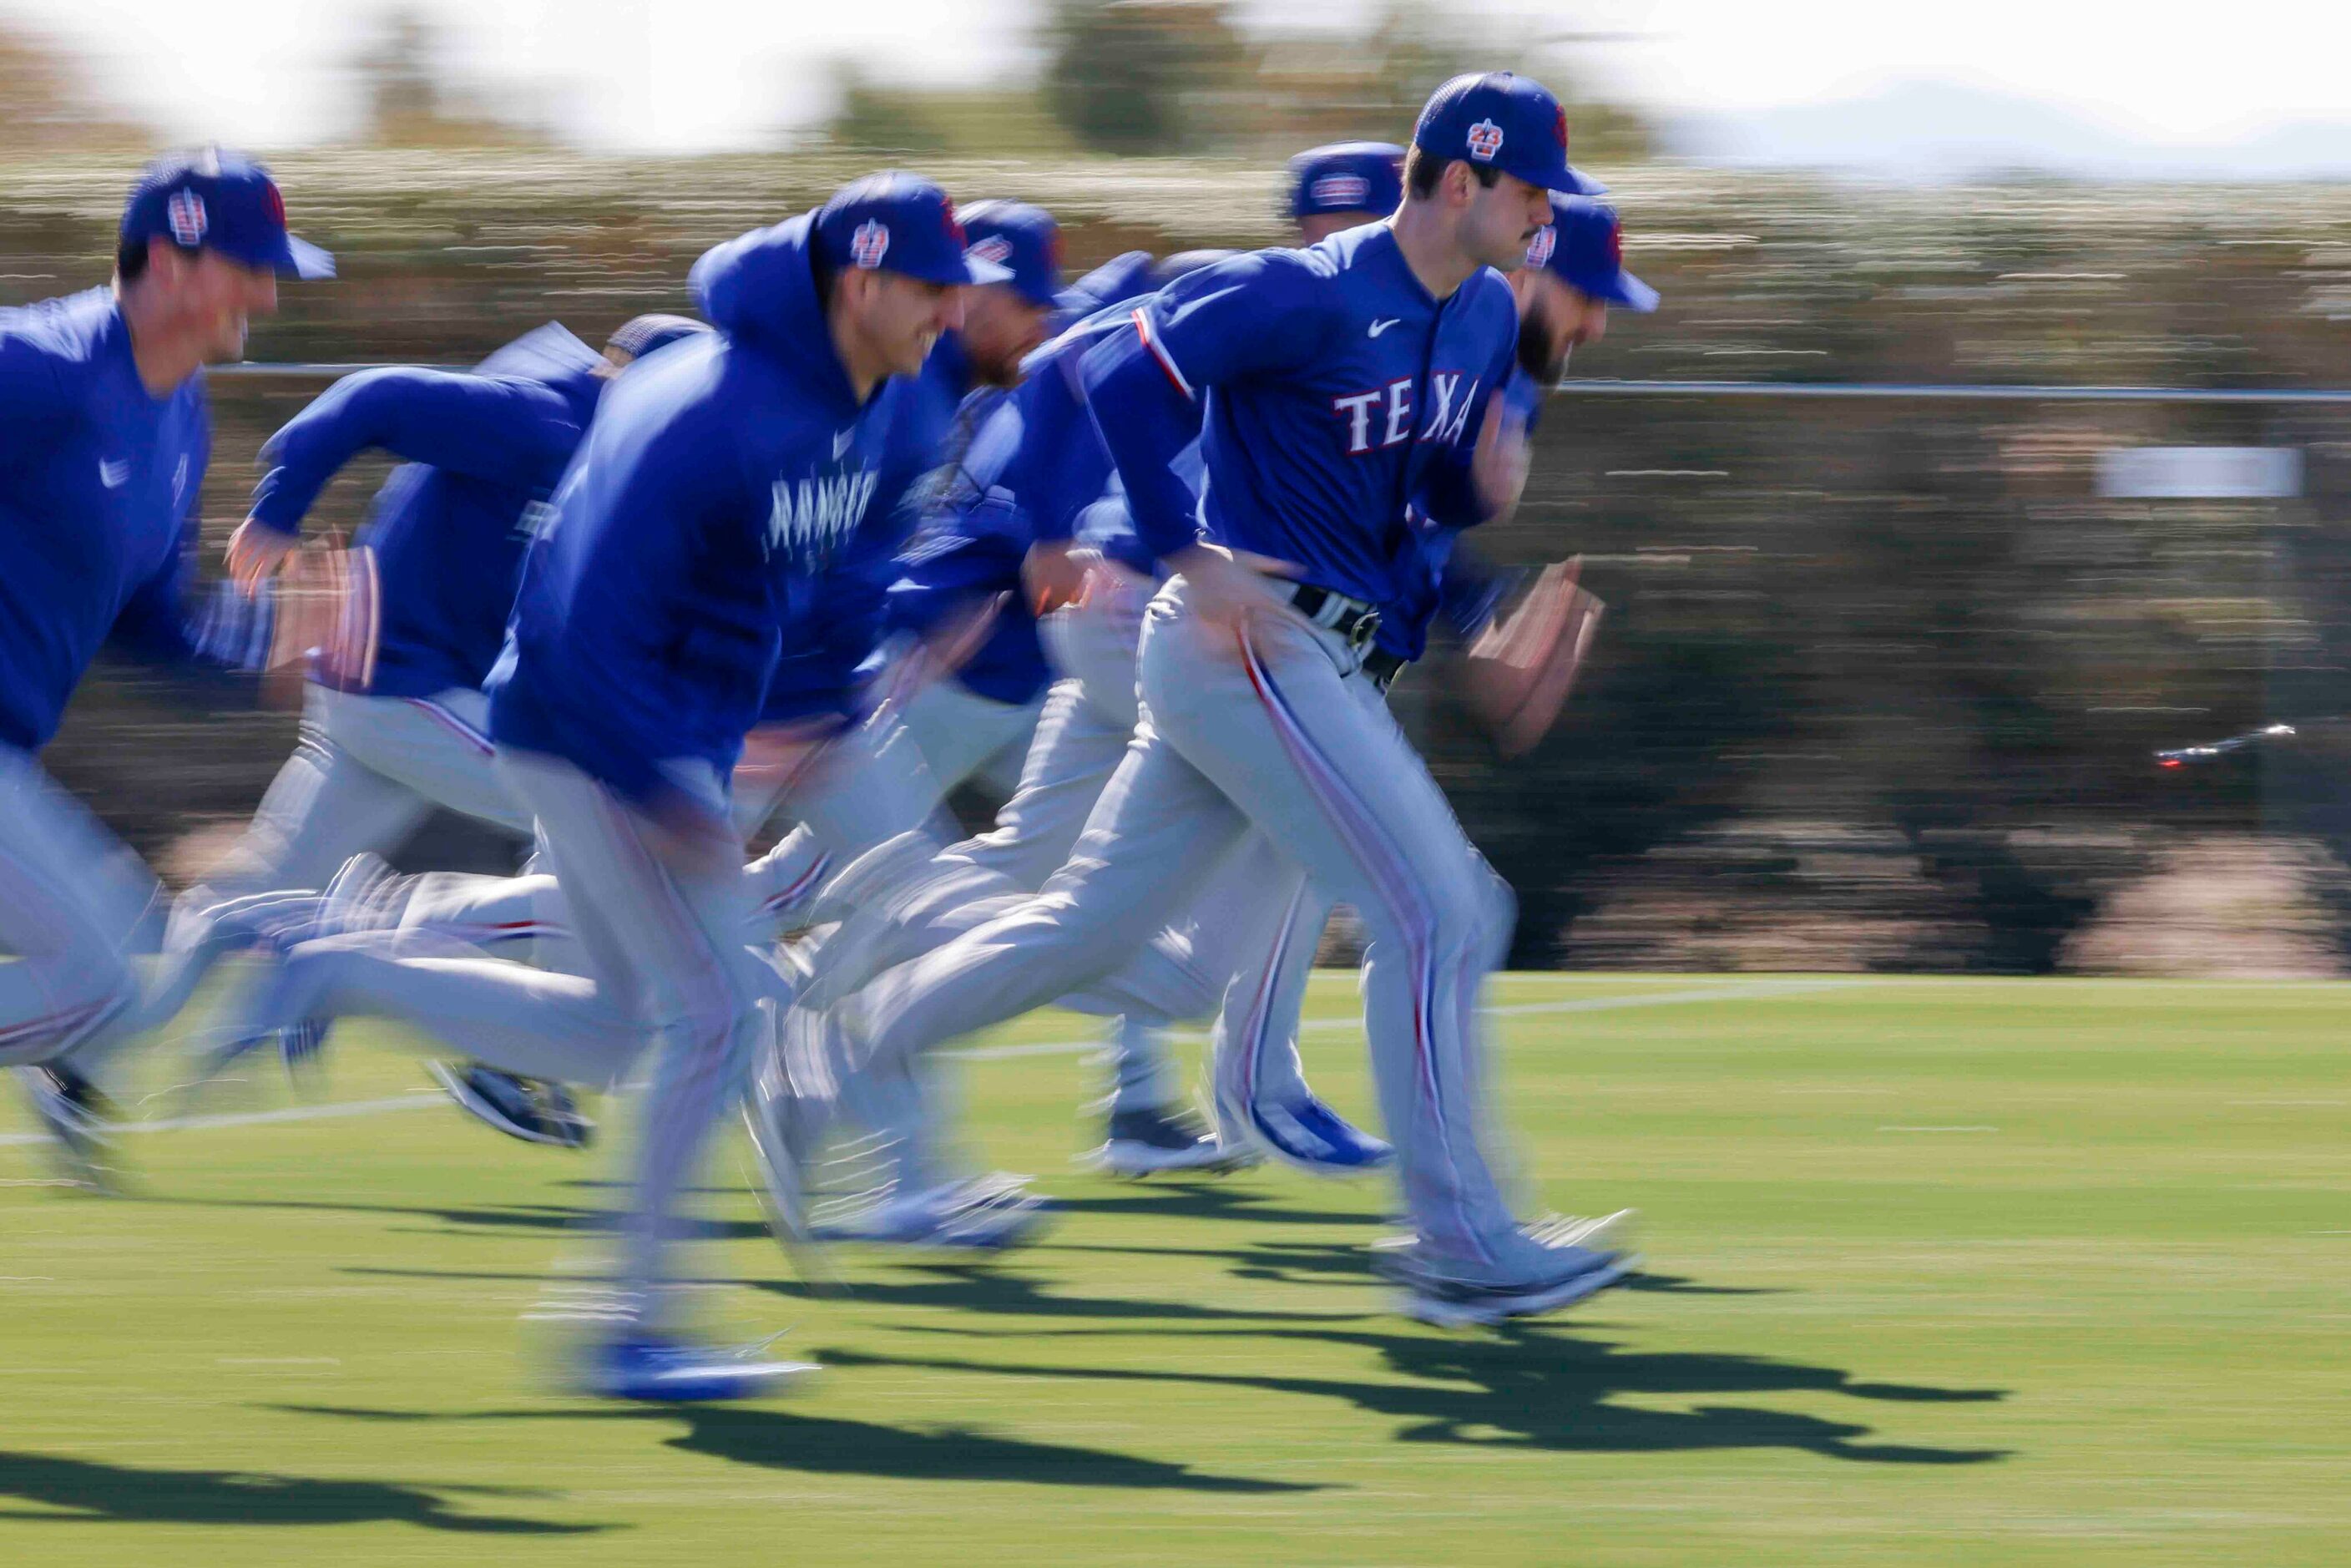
column 185, row 214
column 1616, row 245
column 995, row 248
column 1559, row 124
column 273, row 202
column 1341, row 193
column 1540, row 248
column 1485, row 141
column 869, row 243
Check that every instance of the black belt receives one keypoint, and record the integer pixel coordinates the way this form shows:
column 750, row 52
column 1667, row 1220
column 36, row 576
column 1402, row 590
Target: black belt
column 1351, row 618
column 1383, row 667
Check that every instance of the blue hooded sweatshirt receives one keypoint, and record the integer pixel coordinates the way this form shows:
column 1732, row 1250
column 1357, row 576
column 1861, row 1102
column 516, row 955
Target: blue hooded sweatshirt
column 819, row 675
column 485, row 450
column 720, row 479
column 98, row 506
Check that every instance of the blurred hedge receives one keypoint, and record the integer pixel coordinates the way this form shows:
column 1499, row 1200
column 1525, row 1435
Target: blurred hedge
column 1880, row 679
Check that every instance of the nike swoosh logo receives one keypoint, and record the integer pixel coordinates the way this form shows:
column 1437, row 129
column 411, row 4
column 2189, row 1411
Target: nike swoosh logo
column 840, row 441
column 114, row 475
column 1380, row 327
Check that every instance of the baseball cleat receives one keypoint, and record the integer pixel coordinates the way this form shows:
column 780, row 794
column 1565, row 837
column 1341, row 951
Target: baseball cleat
column 985, row 1213
column 535, row 1110
column 651, row 1367
column 79, row 1119
column 1160, row 1139
column 1309, row 1134
column 1433, row 1293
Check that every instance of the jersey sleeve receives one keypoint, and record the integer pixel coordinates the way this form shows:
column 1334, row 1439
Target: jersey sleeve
column 496, row 428
column 1061, row 468
column 1244, row 317
column 1146, row 423
column 1470, row 589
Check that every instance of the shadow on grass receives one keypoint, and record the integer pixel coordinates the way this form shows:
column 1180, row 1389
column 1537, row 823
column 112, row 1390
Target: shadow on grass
column 86, row 1490
column 549, row 1218
column 975, row 1287
column 814, row 1445
column 1532, row 1387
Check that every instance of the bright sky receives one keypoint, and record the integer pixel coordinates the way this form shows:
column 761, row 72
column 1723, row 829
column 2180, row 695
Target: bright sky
column 716, row 73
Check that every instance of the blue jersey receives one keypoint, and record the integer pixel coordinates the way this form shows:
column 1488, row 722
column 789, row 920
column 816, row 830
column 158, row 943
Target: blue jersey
column 1338, row 392
column 720, row 479
column 818, row 673
column 485, row 450
column 1444, row 578
column 97, row 504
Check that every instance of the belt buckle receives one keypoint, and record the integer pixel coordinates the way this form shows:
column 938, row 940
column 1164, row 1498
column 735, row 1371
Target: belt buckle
column 1366, row 627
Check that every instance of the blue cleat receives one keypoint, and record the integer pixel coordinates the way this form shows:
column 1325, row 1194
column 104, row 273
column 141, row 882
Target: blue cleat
column 1309, row 1134
column 651, row 1367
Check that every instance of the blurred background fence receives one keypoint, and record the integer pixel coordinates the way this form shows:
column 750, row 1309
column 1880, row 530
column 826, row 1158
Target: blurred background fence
column 1882, row 677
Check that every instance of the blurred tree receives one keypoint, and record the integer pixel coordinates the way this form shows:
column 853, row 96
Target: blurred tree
column 45, row 104
column 410, row 101
column 1120, row 74
column 988, row 121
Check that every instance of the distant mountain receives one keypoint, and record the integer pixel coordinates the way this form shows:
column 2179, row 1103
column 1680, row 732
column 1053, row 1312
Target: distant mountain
column 1944, row 130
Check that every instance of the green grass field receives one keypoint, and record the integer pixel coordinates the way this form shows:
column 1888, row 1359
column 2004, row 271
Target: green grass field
column 1939, row 1272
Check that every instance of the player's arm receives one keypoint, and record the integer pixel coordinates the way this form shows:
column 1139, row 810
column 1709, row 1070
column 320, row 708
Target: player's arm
column 1145, row 385
column 1059, row 470
column 489, row 427
column 1479, row 477
column 1470, row 588
column 214, row 629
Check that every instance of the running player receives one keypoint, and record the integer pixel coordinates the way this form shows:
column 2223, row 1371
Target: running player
column 108, row 436
column 1343, row 385
column 691, row 535
column 403, row 730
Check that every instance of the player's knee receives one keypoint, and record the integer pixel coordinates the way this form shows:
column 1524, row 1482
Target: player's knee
column 1469, row 910
column 83, row 991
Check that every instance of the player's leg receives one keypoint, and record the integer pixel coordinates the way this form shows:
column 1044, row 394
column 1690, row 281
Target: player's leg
column 1076, row 749
column 67, row 911
column 1158, row 832
column 1258, row 1080
column 964, row 737
column 1321, row 767
column 324, row 806
column 438, row 747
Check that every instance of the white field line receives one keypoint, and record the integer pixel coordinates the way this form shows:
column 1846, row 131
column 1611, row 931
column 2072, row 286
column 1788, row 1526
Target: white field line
column 424, row 1101
column 1754, row 991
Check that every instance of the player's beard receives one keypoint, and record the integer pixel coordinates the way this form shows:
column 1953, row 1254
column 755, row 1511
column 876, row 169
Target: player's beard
column 1535, row 355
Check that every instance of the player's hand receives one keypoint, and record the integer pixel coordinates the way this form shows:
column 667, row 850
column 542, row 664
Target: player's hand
column 1221, row 590
column 1520, row 669
column 1499, row 466
column 256, row 551
column 1053, row 573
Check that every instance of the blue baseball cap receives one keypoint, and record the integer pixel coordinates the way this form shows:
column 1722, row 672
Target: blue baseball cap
column 212, row 199
column 1500, row 121
column 902, row 224
column 1583, row 244
column 1346, row 177
column 1022, row 239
